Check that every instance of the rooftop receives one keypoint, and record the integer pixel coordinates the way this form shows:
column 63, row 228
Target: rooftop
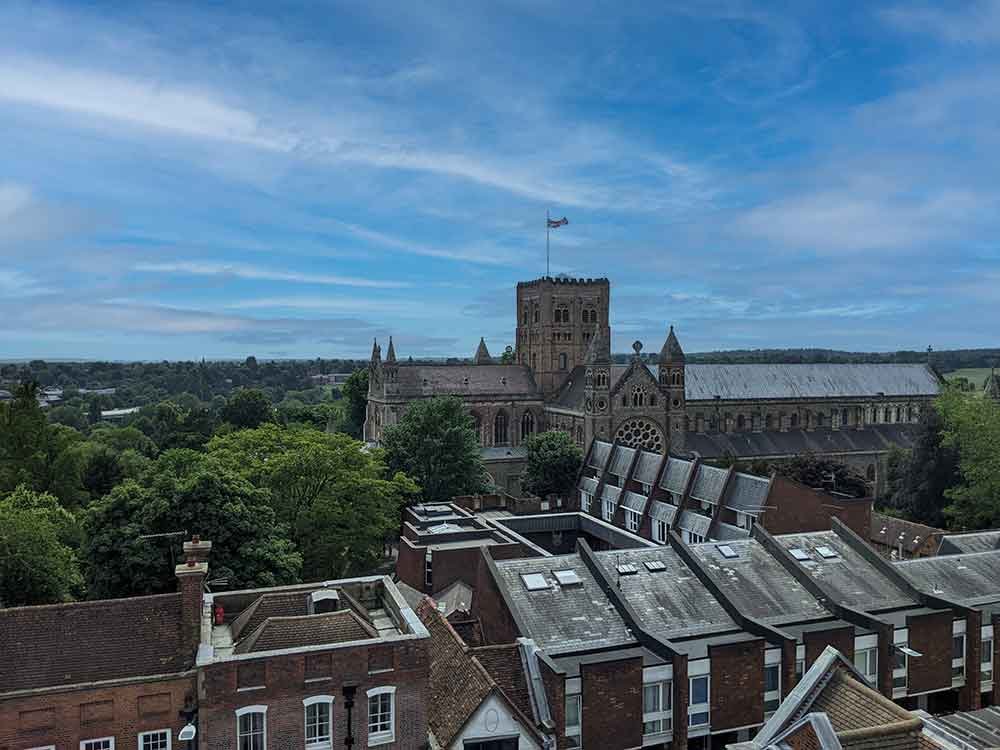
column 970, row 577
column 974, row 541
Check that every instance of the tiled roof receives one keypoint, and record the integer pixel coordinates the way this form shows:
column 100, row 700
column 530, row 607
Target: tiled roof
column 466, row 380
column 504, row 665
column 914, row 535
column 870, row 439
column 458, row 683
column 747, row 492
column 695, row 523
column 588, row 484
column 976, row 541
column 309, row 630
column 675, row 476
column 851, row 705
column 646, row 467
column 621, row 460
column 610, row 492
column 780, row 381
column 278, row 604
column 634, row 501
column 65, row 644
column 662, row 511
column 709, row 483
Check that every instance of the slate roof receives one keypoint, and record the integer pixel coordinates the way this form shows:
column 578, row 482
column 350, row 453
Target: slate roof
column 791, row 381
column 695, row 523
column 588, row 484
column 571, row 394
column 709, row 483
column 671, row 602
column 914, row 535
column 979, row 729
column 634, row 501
column 757, row 583
column 599, row 454
column 610, row 492
column 308, row 630
column 455, row 598
column 976, row 541
column 675, row 476
column 747, row 492
column 65, row 644
column 621, row 460
column 856, row 581
column 966, row 577
column 870, row 439
column 415, row 381
column 458, row 684
column 646, row 467
column 277, row 604
column 562, row 619
column 662, row 511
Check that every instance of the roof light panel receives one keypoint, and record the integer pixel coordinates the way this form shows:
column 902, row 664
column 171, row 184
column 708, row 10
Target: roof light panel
column 654, row 566
column 726, row 551
column 799, row 554
column 827, row 553
column 627, row 569
column 567, row 577
column 534, row 581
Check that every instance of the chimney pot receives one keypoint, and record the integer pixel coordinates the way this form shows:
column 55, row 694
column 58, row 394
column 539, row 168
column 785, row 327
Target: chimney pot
column 196, row 538
column 190, row 563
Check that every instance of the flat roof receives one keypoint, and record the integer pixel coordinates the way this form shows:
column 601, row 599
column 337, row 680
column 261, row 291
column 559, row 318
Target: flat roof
column 966, row 577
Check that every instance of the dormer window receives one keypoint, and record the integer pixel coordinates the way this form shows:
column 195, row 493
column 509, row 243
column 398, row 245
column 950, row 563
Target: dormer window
column 324, row 601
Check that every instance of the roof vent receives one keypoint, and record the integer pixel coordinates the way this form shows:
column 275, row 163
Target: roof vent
column 799, row 554
column 827, row 553
column 327, row 600
column 627, row 569
column 567, row 577
column 534, row 581
column 654, row 566
column 726, row 551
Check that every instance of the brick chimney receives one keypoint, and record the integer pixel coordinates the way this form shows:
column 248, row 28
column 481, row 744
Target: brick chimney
column 191, row 583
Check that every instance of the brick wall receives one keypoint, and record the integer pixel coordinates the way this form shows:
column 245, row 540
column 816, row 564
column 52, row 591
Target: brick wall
column 970, row 696
column 410, row 565
column 612, row 703
column 66, row 718
column 489, row 608
column 737, row 697
column 800, row 509
column 841, row 639
column 286, row 686
column 555, row 693
column 930, row 634
column 681, row 694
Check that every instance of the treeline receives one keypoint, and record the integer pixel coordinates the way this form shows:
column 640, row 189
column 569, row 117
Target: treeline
column 944, row 361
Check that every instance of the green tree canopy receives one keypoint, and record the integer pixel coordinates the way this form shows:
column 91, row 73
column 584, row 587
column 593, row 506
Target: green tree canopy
column 816, row 471
column 355, row 393
column 435, row 443
column 37, row 564
column 972, row 427
column 553, row 463
column 248, row 408
column 918, row 479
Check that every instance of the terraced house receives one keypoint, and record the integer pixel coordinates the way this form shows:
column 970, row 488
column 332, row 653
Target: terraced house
column 563, row 378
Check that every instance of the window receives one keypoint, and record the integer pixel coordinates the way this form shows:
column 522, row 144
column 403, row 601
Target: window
column 102, row 743
column 744, row 520
column 659, row 532
column 381, row 715
column 319, row 721
column 527, row 425
column 741, row 422
column 574, row 709
column 986, row 668
column 698, row 701
column 584, row 502
column 158, row 740
column 251, row 728
column 608, row 510
column 795, row 421
column 843, row 418
column 899, row 665
column 866, row 660
column 500, row 429
column 632, row 521
column 772, row 689
column 562, row 360
column 958, row 657
column 534, row 581
column 428, row 569
column 657, row 708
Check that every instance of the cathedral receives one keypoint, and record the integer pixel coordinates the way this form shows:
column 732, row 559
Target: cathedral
column 563, row 377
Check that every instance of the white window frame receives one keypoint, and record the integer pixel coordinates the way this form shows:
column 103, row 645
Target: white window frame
column 800, row 661
column 428, row 568
column 109, row 740
column 382, row 737
column 633, row 521
column 584, row 501
column 43, row 747
column 240, row 712
column 167, row 732
column 870, row 667
column 574, row 730
column 665, row 714
column 958, row 672
column 317, row 700
column 659, row 531
column 986, row 650
column 608, row 510
column 772, row 660
column 900, row 637
column 700, row 708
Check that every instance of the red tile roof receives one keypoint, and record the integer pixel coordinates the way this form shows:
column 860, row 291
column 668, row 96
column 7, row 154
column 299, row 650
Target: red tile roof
column 307, row 630
column 66, row 644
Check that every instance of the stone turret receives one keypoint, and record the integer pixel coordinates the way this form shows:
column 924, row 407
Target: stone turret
column 391, row 354
column 597, row 387
column 599, row 349
column 482, row 354
column 671, row 380
column 671, row 352
column 391, row 367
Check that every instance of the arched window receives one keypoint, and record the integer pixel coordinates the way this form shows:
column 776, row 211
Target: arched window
column 819, row 419
column 870, row 472
column 477, row 421
column 795, row 421
column 713, row 423
column 699, row 423
column 524, row 316
column 844, row 418
column 536, row 313
column 579, row 434
column 768, row 422
column 638, row 395
column 500, row 436
column 676, row 378
column 909, row 413
column 562, row 360
column 741, row 422
column 527, row 425
column 602, row 379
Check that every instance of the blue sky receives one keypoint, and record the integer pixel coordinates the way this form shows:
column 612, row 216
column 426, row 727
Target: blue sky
column 293, row 179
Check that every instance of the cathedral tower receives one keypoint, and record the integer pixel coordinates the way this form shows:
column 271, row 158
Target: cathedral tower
column 557, row 319
column 672, row 382
column 597, row 388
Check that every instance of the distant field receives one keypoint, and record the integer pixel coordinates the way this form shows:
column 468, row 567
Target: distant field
column 976, row 375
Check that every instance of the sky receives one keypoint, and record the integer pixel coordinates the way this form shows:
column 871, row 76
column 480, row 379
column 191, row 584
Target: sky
column 294, row 179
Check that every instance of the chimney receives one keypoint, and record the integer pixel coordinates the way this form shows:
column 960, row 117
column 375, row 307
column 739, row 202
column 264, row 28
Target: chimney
column 191, row 583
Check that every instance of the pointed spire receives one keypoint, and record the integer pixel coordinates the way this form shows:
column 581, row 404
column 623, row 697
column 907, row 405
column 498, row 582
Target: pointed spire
column 671, row 351
column 376, row 352
column 599, row 350
column 391, row 354
column 482, row 354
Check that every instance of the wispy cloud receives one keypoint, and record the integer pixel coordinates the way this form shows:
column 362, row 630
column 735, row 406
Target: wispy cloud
column 258, row 273
column 976, row 22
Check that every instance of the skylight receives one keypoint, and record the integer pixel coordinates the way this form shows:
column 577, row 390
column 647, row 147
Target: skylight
column 827, row 553
column 534, row 581
column 567, row 577
column 627, row 569
column 726, row 551
column 654, row 566
column 799, row 554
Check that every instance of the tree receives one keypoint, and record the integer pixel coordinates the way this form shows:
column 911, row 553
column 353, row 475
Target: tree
column 972, row 427
column 508, row 358
column 332, row 493
column 918, row 480
column 37, row 565
column 248, row 408
column 553, row 463
column 249, row 546
column 101, row 471
column 816, row 471
column 355, row 392
column 69, row 416
column 435, row 443
column 121, row 439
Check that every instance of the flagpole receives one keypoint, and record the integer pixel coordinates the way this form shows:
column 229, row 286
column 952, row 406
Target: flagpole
column 547, row 230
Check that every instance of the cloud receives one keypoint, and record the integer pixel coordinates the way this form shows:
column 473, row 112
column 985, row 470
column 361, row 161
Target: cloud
column 245, row 271
column 16, row 284
column 972, row 23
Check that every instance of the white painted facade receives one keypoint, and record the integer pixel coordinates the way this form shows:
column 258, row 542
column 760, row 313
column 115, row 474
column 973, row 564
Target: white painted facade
column 493, row 720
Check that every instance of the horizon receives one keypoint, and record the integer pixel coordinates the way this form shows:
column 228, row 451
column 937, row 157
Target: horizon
column 188, row 182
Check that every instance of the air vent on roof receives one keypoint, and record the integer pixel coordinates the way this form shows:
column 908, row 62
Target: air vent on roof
column 567, row 577
column 654, row 566
column 627, row 569
column 799, row 554
column 726, row 551
column 534, row 581
column 826, row 553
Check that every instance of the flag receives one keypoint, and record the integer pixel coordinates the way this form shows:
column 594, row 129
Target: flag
column 553, row 223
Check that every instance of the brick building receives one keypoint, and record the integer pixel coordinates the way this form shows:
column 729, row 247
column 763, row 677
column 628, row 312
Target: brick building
column 563, row 377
